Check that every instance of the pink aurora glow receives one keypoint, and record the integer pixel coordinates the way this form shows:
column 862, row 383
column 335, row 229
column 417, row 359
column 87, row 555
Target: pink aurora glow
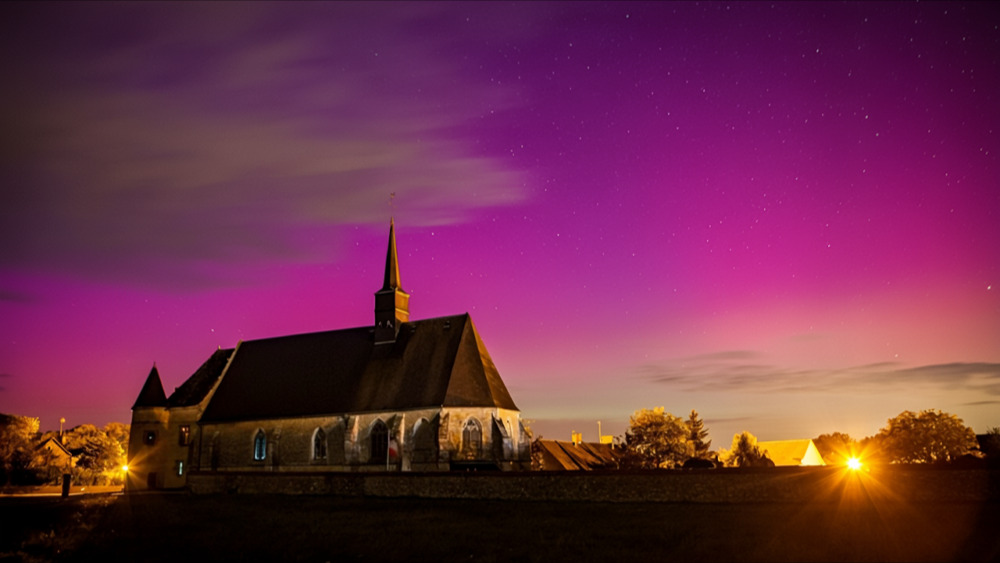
column 783, row 215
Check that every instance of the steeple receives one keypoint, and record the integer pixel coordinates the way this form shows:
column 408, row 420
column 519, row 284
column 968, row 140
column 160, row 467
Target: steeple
column 152, row 394
column 391, row 262
column 392, row 304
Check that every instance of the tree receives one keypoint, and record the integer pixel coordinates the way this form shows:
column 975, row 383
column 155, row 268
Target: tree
column 17, row 441
column 74, row 438
column 100, row 461
column 836, row 448
column 537, row 454
column 101, row 456
column 745, row 453
column 118, row 432
column 655, row 439
column 871, row 448
column 991, row 445
column 696, row 436
column 928, row 437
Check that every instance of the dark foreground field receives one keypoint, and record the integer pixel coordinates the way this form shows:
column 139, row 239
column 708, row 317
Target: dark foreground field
column 183, row 527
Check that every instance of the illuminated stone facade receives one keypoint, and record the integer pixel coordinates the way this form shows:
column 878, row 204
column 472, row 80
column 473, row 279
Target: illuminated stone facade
column 397, row 396
column 417, row 440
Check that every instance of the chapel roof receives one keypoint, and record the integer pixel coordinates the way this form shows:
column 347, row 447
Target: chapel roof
column 438, row 362
column 197, row 387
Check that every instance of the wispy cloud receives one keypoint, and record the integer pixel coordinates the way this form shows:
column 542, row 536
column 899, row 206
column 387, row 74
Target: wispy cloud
column 166, row 151
column 981, row 403
column 724, row 355
column 727, row 371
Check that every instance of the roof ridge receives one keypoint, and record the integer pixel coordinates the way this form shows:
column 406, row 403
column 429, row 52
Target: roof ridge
column 348, row 329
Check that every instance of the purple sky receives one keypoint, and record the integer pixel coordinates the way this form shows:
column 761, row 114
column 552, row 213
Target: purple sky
column 785, row 216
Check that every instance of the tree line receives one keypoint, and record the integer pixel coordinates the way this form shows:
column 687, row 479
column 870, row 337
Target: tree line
column 658, row 439
column 96, row 455
column 655, row 439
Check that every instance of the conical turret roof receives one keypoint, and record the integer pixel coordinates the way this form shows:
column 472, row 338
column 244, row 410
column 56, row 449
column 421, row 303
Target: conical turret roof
column 152, row 394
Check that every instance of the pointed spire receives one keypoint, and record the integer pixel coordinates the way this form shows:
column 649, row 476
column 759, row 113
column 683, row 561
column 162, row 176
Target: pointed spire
column 152, row 394
column 391, row 262
column 392, row 304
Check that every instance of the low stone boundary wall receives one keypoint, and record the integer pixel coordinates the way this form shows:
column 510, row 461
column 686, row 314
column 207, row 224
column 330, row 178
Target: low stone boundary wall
column 793, row 484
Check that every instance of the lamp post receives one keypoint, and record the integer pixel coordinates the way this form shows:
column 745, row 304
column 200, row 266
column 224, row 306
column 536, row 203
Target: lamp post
column 65, row 476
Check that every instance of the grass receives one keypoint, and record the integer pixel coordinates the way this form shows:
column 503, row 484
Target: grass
column 172, row 527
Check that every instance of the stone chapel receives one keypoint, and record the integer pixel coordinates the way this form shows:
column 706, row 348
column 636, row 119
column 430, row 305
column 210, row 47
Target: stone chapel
column 398, row 395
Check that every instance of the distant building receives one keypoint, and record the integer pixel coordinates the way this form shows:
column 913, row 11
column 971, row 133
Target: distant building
column 792, row 452
column 398, row 395
column 555, row 455
column 53, row 457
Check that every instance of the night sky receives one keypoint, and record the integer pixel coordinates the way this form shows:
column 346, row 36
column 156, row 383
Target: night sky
column 783, row 215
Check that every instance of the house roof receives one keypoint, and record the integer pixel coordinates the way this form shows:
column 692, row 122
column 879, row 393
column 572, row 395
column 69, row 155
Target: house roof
column 197, row 387
column 54, row 444
column 792, row 452
column 433, row 363
column 152, row 394
column 559, row 455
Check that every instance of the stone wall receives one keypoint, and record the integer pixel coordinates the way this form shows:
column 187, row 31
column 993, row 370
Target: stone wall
column 425, row 440
column 147, row 448
column 793, row 484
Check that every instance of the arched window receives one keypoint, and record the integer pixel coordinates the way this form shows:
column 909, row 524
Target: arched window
column 260, row 446
column 472, row 438
column 379, row 443
column 319, row 444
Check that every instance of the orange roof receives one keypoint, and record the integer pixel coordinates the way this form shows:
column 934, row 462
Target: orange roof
column 792, row 452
